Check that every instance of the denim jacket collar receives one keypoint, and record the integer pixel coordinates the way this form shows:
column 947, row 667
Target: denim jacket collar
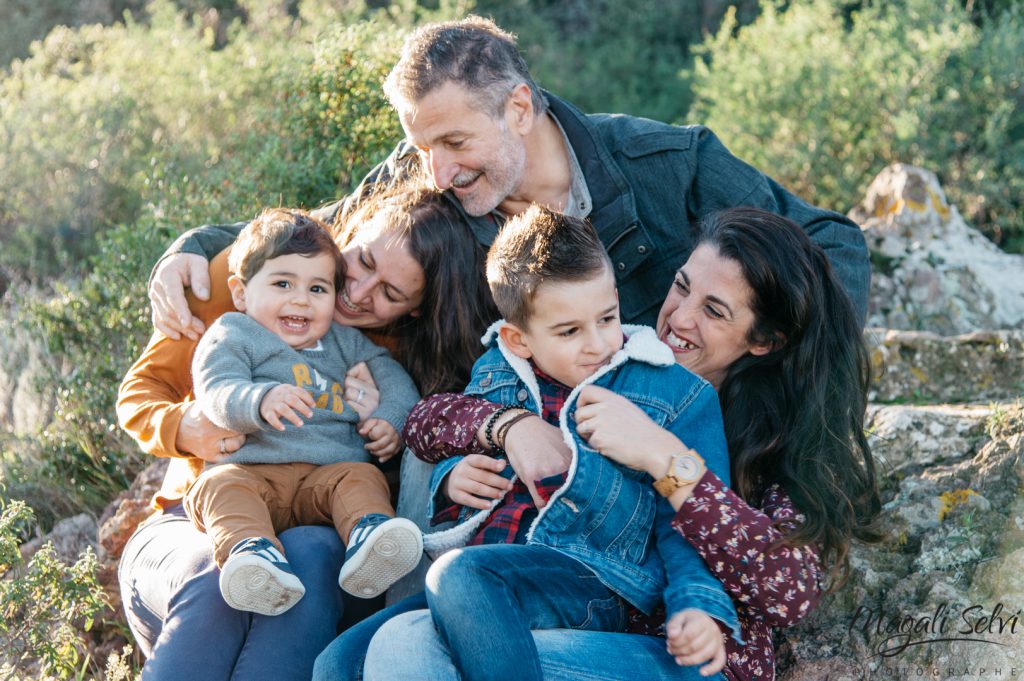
column 642, row 345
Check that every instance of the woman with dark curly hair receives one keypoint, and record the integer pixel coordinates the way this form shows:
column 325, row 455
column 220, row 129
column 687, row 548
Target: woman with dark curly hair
column 756, row 311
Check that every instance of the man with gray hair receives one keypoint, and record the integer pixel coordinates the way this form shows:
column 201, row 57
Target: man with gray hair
column 496, row 143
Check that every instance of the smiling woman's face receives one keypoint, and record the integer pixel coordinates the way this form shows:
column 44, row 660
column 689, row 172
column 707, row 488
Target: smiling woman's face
column 706, row 317
column 383, row 282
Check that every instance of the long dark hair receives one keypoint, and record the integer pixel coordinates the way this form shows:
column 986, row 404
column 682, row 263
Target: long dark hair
column 795, row 415
column 438, row 345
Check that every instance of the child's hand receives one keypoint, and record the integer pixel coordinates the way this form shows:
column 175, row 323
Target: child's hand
column 475, row 480
column 383, row 440
column 694, row 638
column 361, row 391
column 282, row 402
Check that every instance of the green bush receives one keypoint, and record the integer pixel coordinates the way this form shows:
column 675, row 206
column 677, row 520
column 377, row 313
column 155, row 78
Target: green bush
column 323, row 124
column 823, row 102
column 44, row 604
column 93, row 331
column 95, row 117
column 317, row 123
column 607, row 56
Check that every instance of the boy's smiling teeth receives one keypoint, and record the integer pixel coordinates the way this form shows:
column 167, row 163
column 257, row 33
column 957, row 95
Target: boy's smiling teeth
column 295, row 322
column 676, row 342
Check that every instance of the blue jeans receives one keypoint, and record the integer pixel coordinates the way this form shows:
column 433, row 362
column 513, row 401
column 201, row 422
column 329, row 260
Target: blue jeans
column 343, row 659
column 481, row 594
column 171, row 594
column 170, row 588
column 408, row 648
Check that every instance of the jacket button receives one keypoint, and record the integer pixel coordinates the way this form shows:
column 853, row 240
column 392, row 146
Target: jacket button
column 641, row 249
column 485, row 381
column 621, row 266
column 522, row 395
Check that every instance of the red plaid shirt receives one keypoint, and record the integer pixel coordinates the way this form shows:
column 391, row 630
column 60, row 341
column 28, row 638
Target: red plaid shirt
column 510, row 520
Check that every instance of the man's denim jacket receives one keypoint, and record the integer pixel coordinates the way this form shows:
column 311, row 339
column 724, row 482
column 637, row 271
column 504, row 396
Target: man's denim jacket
column 605, row 515
column 650, row 184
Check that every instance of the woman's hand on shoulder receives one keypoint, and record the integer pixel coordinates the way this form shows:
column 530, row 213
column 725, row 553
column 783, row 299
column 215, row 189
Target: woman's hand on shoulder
column 621, row 431
column 203, row 439
column 693, row 638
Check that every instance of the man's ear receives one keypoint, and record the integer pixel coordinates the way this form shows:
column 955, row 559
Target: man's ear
column 515, row 339
column 519, row 109
column 237, row 288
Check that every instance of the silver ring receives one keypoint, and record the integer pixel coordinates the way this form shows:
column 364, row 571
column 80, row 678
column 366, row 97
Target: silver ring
column 222, row 446
column 359, row 396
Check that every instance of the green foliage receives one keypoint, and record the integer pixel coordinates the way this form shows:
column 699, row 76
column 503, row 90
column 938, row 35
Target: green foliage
column 824, row 103
column 93, row 331
column 45, row 604
column 299, row 124
column 90, row 123
column 607, row 56
column 323, row 126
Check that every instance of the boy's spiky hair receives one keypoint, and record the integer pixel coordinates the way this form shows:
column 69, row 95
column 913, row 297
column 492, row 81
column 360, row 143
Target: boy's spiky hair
column 536, row 247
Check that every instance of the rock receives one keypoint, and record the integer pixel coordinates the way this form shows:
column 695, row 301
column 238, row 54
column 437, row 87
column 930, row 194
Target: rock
column 931, row 270
column 70, row 537
column 119, row 521
column 926, row 367
column 131, row 507
column 953, row 559
column 906, row 437
column 26, row 405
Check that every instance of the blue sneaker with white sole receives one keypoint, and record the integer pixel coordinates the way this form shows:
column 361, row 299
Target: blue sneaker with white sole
column 381, row 550
column 256, row 577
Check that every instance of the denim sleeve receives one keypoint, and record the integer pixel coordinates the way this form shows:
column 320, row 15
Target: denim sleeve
column 720, row 180
column 690, row 583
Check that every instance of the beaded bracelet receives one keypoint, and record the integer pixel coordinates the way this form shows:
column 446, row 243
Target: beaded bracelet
column 489, row 430
column 503, row 431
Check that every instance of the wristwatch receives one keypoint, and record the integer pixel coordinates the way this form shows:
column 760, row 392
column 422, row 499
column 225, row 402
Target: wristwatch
column 684, row 469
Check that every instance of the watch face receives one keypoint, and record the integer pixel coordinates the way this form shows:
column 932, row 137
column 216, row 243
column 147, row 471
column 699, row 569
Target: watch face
column 686, row 467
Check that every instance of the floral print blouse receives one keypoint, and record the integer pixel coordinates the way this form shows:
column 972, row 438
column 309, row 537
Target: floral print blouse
column 771, row 585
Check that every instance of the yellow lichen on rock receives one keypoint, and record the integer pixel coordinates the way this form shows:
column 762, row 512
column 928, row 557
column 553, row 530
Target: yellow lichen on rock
column 952, row 499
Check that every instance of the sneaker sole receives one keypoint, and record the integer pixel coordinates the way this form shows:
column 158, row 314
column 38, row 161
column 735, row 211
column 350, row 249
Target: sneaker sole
column 246, row 583
column 391, row 552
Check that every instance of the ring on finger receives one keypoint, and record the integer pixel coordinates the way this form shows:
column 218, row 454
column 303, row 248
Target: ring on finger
column 222, row 446
column 360, row 395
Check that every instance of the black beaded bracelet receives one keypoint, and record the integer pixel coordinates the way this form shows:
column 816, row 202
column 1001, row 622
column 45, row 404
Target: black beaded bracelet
column 489, row 430
column 503, row 431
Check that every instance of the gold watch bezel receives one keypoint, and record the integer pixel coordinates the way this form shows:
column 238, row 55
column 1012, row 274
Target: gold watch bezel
column 676, row 477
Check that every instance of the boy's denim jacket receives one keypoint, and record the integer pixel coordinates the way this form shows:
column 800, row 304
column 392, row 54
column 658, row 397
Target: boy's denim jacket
column 604, row 513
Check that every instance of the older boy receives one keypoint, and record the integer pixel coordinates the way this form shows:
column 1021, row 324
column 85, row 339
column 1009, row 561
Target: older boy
column 583, row 558
column 285, row 361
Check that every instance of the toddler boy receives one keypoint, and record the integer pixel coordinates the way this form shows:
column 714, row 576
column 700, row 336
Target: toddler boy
column 586, row 555
column 281, row 359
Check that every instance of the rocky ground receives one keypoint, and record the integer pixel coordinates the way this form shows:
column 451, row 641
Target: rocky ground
column 943, row 595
